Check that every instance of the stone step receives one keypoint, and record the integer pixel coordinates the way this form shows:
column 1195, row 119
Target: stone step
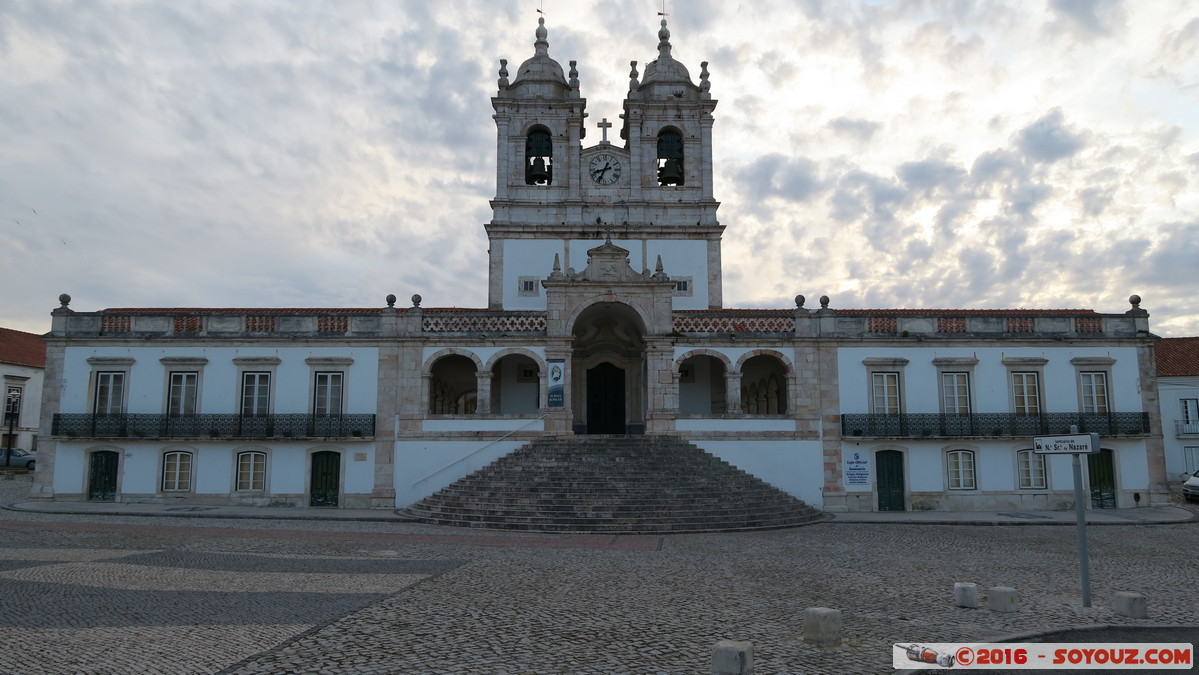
column 612, row 484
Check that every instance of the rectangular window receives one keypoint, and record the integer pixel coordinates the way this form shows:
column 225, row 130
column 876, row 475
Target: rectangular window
column 251, row 471
column 1094, row 392
column 1191, row 457
column 1031, row 468
column 177, row 472
column 1026, row 391
column 528, row 286
column 326, row 399
column 955, row 393
column 12, row 407
column 961, row 470
column 110, row 393
column 885, row 393
column 1190, row 410
column 181, row 399
column 255, row 394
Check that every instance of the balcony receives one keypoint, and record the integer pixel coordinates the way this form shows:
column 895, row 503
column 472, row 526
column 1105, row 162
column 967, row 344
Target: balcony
column 992, row 425
column 1186, row 429
column 278, row 427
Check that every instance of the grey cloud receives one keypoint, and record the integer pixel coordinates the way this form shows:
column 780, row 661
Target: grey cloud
column 859, row 129
column 1095, row 199
column 793, row 179
column 1049, row 138
column 927, row 176
column 1089, row 17
column 996, row 165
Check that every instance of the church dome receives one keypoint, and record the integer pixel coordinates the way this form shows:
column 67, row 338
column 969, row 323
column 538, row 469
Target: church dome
column 664, row 75
column 540, row 74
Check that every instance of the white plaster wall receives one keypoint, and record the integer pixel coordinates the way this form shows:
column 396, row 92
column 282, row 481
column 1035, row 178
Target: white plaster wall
column 683, row 258
column 528, row 258
column 515, row 397
column 1172, row 390
column 69, row 466
column 424, row 467
column 795, row 467
column 219, row 382
column 483, row 424
column 925, row 470
column 695, row 398
column 1132, row 467
column 991, row 391
column 734, row 424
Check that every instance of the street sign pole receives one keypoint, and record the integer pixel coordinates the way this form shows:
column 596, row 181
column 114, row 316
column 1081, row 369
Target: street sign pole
column 1075, row 445
column 1081, row 514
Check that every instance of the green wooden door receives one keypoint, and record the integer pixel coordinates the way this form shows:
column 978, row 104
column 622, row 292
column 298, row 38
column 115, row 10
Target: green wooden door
column 889, row 467
column 102, row 476
column 326, row 478
column 1101, row 469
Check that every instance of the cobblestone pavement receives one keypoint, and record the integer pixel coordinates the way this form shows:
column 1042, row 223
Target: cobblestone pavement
column 110, row 594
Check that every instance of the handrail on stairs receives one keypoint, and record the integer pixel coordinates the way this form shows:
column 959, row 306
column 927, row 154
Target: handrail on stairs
column 481, row 449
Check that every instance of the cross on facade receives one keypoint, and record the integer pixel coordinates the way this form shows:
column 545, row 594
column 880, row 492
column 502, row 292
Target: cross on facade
column 604, row 125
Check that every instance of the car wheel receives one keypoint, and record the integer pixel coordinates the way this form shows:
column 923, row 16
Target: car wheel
column 30, row 464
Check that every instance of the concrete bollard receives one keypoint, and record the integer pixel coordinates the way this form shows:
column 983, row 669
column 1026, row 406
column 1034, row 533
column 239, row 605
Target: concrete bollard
column 731, row 657
column 1002, row 599
column 822, row 626
column 1131, row 605
column 965, row 595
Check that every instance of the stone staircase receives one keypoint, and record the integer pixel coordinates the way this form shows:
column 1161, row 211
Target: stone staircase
column 612, row 484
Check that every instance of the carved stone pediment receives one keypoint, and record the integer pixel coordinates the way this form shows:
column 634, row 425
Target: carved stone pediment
column 608, row 263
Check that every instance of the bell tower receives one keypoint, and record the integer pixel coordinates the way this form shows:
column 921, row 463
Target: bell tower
column 556, row 200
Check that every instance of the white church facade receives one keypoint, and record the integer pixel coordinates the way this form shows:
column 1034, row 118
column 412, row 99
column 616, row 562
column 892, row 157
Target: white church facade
column 605, row 316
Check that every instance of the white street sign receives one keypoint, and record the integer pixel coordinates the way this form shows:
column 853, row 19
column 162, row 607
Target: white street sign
column 1067, row 445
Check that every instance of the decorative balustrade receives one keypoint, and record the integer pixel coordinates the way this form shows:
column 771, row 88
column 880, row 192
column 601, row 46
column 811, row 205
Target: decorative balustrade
column 733, row 321
column 1002, row 425
column 1186, row 429
column 479, row 322
column 217, row 426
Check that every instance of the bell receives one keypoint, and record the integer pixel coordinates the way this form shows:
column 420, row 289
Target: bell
column 671, row 173
column 536, row 172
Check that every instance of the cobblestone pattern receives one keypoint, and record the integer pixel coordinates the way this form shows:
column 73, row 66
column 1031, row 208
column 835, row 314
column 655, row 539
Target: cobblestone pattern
column 520, row 606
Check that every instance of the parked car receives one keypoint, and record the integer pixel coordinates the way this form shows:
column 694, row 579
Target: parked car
column 1190, row 488
column 21, row 459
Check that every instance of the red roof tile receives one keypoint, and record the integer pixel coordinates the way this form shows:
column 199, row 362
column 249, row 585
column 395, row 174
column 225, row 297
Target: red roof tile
column 247, row 310
column 1177, row 357
column 22, row 349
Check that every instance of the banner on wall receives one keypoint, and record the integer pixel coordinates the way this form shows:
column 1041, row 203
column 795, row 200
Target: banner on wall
column 556, row 394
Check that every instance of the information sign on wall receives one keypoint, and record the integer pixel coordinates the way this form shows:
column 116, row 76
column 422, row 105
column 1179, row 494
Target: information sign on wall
column 857, row 470
column 556, row 394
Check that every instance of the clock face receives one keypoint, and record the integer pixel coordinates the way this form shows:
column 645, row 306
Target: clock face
column 605, row 169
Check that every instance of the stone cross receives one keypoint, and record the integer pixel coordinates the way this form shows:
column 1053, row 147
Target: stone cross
column 604, row 126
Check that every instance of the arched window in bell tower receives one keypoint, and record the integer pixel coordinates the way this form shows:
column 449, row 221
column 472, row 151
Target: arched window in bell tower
column 539, row 157
column 670, row 157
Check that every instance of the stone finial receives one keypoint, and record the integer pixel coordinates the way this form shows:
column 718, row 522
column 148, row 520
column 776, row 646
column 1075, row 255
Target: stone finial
column 1135, row 301
column 416, row 299
column 391, row 300
column 824, row 302
column 556, row 273
column 541, row 45
column 574, row 75
column 664, row 41
column 799, row 301
column 633, row 83
column 503, row 81
column 704, row 84
column 65, row 300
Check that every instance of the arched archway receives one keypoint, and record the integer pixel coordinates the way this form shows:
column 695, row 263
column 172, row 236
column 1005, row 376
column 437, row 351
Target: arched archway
column 608, row 362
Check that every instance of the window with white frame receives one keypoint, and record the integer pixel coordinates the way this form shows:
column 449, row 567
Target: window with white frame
column 327, row 393
column 12, row 406
column 683, row 286
column 182, row 389
column 1190, row 458
column 251, row 471
column 177, row 472
column 960, row 469
column 255, row 394
column 528, row 286
column 955, row 393
column 1093, row 387
column 1031, row 469
column 884, row 393
column 1188, row 419
column 1026, row 393
column 110, row 393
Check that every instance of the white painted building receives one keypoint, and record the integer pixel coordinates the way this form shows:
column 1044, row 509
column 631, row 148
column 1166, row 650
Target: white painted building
column 605, row 315
column 22, row 367
column 1178, row 380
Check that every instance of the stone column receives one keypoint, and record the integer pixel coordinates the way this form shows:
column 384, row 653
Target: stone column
column 662, row 389
column 732, row 393
column 482, row 392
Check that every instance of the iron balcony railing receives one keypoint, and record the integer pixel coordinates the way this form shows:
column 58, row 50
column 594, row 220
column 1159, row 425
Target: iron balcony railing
column 1002, row 425
column 1185, row 429
column 135, row 425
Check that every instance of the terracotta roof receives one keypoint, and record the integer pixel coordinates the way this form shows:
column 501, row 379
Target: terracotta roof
column 968, row 312
column 22, row 349
column 1177, row 357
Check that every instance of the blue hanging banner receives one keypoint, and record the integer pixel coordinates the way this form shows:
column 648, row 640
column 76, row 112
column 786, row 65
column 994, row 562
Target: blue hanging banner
column 557, row 376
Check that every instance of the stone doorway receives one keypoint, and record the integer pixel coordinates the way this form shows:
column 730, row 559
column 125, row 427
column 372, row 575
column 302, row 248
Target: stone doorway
column 605, row 400
column 608, row 366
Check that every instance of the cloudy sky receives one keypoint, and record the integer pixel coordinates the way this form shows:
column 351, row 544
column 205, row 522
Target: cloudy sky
column 320, row 154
